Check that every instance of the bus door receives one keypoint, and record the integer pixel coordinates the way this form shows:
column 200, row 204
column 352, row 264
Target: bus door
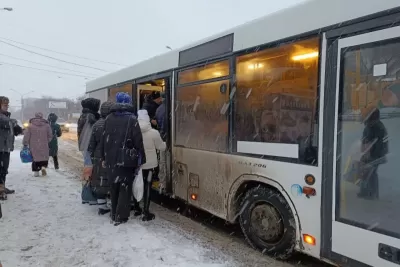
column 366, row 156
column 144, row 90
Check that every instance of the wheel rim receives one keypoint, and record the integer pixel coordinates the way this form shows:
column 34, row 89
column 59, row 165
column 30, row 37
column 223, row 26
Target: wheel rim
column 267, row 223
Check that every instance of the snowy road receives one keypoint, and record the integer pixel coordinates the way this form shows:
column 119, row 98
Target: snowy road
column 44, row 224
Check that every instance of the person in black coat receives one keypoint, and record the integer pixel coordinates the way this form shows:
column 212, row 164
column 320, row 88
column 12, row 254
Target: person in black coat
column 99, row 180
column 53, row 144
column 121, row 129
column 90, row 108
column 90, row 114
column 8, row 129
column 151, row 104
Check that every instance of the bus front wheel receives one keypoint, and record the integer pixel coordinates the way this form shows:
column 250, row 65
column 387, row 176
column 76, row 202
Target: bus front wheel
column 268, row 223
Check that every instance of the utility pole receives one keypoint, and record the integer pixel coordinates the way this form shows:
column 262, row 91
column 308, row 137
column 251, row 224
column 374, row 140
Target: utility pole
column 22, row 109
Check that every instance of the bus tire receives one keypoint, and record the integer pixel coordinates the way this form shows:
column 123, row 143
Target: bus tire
column 268, row 223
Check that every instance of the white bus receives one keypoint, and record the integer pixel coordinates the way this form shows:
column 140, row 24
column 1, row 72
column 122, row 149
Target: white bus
column 263, row 120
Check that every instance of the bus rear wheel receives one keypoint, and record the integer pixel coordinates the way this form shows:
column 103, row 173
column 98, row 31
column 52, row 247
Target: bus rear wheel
column 268, row 223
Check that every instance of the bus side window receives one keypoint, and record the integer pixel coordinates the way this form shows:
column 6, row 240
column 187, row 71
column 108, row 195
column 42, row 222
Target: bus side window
column 278, row 88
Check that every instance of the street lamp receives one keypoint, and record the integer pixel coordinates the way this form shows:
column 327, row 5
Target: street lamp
column 22, row 102
column 6, row 9
column 168, row 47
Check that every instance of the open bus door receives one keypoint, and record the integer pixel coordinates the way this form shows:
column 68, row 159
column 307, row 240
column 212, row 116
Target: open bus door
column 362, row 211
column 144, row 90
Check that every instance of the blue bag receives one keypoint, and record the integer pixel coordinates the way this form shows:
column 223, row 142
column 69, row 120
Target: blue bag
column 26, row 155
column 87, row 194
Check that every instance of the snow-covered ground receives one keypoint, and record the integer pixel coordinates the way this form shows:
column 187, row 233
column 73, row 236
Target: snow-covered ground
column 44, row 224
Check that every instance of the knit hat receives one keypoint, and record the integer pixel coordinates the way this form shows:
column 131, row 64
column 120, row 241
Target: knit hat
column 143, row 115
column 105, row 108
column 39, row 115
column 91, row 103
column 123, row 98
column 155, row 95
column 52, row 117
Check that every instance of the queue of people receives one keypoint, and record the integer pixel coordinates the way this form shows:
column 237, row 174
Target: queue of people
column 117, row 144
column 40, row 138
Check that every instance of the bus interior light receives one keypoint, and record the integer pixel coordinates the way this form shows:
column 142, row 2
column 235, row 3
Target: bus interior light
column 217, row 74
column 193, row 196
column 255, row 66
column 308, row 239
column 305, row 56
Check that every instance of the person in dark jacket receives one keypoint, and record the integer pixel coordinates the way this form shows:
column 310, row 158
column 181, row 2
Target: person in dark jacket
column 53, row 145
column 89, row 116
column 151, row 104
column 161, row 118
column 8, row 130
column 99, row 180
column 375, row 147
column 121, row 130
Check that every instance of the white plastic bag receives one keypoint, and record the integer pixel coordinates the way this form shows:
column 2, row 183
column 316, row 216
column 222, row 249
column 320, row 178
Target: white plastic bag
column 138, row 186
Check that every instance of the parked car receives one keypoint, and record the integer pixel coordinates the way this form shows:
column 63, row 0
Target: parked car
column 65, row 125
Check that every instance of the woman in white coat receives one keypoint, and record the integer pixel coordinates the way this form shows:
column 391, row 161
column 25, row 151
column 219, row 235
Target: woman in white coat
column 152, row 142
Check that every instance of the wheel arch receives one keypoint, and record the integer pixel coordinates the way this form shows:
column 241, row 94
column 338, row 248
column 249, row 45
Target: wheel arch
column 247, row 181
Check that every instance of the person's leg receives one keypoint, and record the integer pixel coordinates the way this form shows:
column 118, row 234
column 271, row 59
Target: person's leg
column 125, row 194
column 43, row 167
column 147, row 177
column 135, row 207
column 375, row 182
column 3, row 173
column 35, row 168
column 367, row 186
column 5, row 163
column 55, row 159
column 103, row 209
column 101, row 199
column 114, row 199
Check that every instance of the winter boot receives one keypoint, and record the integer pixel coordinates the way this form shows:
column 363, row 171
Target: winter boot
column 9, row 191
column 3, row 195
column 103, row 209
column 36, row 174
column 119, row 221
column 147, row 215
column 44, row 171
column 135, row 207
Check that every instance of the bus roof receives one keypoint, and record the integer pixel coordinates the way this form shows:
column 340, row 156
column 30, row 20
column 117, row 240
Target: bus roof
column 307, row 16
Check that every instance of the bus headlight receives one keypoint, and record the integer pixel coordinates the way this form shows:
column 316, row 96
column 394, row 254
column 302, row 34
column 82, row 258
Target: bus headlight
column 67, row 125
column 26, row 124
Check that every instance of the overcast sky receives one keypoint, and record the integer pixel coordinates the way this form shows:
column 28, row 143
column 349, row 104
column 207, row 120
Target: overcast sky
column 121, row 31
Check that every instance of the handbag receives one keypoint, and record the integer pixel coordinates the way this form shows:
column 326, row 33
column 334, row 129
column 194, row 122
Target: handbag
column 25, row 155
column 87, row 193
column 127, row 157
column 138, row 186
column 87, row 172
